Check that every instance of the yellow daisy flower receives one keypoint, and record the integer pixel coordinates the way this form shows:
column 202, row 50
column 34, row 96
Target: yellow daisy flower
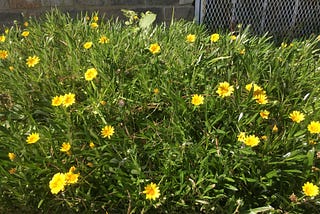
column 154, row 48
column 241, row 137
column 90, row 74
column 107, row 131
column 32, row 61
column 57, row 100
column 87, row 45
column 68, row 99
column 224, row 89
column 296, row 116
column 103, row 40
column 251, row 140
column 191, row 38
column 197, row 99
column 261, row 99
column 3, row 54
column 94, row 25
column 152, row 191
column 57, row 183
column 71, row 177
column 25, row 33
column 33, row 138
column 233, row 37
column 11, row 156
column 314, row 127
column 156, row 91
column 309, row 189
column 264, row 114
column 91, row 144
column 95, row 18
column 2, row 38
column 214, row 37
column 65, row 147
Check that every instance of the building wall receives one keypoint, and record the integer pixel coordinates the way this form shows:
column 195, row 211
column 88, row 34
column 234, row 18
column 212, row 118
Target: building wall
column 19, row 10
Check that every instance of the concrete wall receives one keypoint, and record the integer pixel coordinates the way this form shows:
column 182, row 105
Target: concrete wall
column 11, row 10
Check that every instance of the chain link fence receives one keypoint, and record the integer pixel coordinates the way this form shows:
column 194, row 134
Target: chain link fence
column 280, row 18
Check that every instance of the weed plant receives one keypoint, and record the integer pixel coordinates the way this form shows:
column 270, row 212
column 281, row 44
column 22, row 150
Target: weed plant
column 104, row 116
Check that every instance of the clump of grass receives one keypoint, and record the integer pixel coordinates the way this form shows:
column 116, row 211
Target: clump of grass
column 169, row 119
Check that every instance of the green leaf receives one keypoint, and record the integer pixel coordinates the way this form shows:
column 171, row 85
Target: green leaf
column 231, row 187
column 147, row 19
column 260, row 209
column 272, row 174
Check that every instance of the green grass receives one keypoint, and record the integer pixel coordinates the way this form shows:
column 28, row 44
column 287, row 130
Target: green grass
column 191, row 152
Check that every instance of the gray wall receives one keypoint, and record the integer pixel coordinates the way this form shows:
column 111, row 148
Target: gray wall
column 11, row 10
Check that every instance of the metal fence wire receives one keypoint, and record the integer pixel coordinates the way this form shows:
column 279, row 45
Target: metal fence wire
column 280, row 18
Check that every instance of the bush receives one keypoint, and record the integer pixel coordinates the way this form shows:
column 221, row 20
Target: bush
column 92, row 114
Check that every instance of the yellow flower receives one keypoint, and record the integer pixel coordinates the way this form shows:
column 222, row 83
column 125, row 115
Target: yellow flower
column 11, row 156
column 275, row 128
column 25, row 33
column 296, row 116
column 91, row 144
column 68, row 99
column 233, row 37
column 241, row 137
column 191, row 38
column 102, row 102
column 154, row 48
column 6, row 31
column 309, row 189
column 107, row 131
column 257, row 90
column 214, row 37
column 90, row 74
column 11, row 68
column 284, row 45
column 12, row 171
column 314, row 127
column 242, row 51
column 156, row 91
column 95, row 18
column 2, row 38
column 104, row 40
column 71, row 177
column 261, row 99
column 57, row 100
column 57, row 183
column 152, row 191
column 255, row 87
column 264, row 137
column 224, row 89
column 94, row 25
column 65, row 147
column 33, row 138
column 251, row 140
column 312, row 142
column 32, row 61
column 3, row 54
column 26, row 24
column 264, row 114
column 197, row 99
column 87, row 45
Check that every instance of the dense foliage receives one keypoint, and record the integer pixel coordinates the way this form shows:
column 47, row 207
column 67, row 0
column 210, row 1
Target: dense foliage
column 104, row 116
